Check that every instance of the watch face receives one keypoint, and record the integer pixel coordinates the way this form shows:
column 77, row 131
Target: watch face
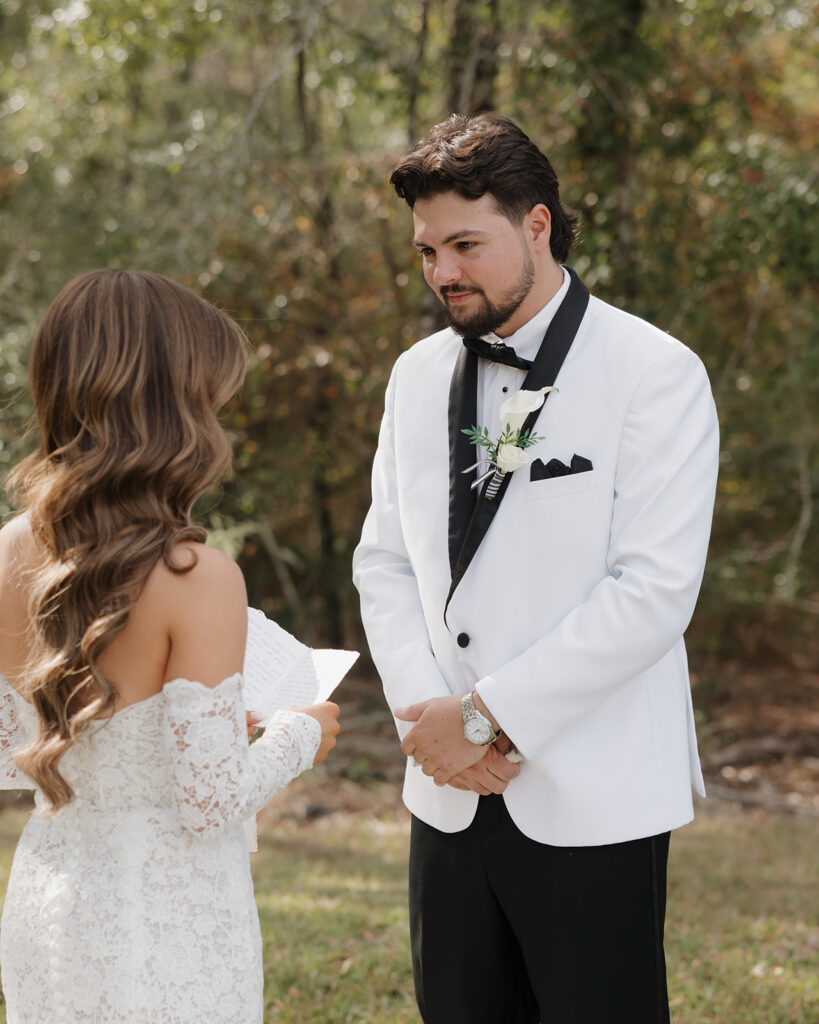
column 478, row 731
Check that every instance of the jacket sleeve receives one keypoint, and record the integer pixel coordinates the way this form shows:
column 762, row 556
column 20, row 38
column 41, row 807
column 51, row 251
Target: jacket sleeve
column 217, row 778
column 663, row 502
column 390, row 602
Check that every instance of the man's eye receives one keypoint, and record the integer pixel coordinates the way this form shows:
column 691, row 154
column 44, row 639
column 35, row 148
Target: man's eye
column 465, row 245
column 427, row 253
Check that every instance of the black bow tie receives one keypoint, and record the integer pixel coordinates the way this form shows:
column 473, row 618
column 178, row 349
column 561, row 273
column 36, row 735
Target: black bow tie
column 497, row 352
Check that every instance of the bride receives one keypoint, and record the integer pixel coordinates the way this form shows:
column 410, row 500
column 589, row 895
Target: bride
column 122, row 638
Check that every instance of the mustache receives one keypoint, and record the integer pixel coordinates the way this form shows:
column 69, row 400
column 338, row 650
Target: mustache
column 458, row 289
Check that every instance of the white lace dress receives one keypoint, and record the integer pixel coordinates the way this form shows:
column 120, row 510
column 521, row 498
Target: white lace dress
column 134, row 904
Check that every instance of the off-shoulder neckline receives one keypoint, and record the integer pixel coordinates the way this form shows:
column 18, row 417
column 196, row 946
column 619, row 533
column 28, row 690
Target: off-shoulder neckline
column 236, row 676
column 233, row 678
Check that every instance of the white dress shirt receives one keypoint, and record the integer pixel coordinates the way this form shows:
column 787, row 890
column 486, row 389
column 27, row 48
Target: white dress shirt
column 496, row 382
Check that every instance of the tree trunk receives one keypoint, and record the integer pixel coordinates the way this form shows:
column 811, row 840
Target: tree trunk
column 327, row 580
column 606, row 40
column 473, row 56
column 414, row 76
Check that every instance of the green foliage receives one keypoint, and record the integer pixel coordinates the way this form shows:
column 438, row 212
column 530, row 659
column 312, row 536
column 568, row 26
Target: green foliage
column 519, row 438
column 245, row 148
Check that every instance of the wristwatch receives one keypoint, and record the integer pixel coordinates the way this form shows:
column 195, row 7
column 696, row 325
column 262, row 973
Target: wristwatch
column 477, row 727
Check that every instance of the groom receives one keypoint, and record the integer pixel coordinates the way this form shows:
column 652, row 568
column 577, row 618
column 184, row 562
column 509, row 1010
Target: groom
column 528, row 631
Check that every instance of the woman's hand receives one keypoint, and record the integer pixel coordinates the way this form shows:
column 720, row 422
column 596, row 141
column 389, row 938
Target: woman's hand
column 326, row 714
column 252, row 723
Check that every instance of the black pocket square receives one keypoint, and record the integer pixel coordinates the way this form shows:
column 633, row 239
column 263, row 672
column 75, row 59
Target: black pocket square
column 554, row 467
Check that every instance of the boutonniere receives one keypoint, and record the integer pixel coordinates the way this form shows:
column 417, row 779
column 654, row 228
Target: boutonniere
column 507, row 452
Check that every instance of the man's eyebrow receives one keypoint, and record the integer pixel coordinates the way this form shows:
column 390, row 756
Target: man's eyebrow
column 454, row 237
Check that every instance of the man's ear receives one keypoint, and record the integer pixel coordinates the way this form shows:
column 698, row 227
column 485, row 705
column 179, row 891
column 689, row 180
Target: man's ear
column 538, row 225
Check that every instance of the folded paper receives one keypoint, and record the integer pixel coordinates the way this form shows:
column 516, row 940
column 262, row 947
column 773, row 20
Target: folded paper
column 281, row 672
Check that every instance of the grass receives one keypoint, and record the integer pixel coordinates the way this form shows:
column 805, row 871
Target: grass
column 743, row 920
column 332, row 904
column 742, row 930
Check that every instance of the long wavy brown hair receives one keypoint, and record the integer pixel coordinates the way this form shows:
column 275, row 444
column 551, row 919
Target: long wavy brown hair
column 127, row 372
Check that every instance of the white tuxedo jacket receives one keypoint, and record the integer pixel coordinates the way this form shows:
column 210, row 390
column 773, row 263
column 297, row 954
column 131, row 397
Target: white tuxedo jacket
column 571, row 611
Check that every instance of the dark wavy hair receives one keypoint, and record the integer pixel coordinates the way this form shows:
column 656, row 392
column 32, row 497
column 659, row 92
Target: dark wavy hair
column 127, row 371
column 487, row 154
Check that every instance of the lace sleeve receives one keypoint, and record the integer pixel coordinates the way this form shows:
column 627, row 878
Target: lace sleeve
column 12, row 734
column 218, row 778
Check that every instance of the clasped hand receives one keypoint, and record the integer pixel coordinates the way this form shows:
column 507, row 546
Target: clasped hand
column 437, row 743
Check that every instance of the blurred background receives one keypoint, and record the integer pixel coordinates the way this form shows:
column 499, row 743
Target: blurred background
column 244, row 146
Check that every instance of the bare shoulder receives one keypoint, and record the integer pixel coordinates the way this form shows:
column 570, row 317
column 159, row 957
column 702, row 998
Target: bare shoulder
column 198, row 573
column 18, row 561
column 205, row 608
column 18, row 551
column 16, row 537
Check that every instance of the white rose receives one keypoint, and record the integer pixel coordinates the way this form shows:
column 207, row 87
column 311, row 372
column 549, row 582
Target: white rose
column 517, row 407
column 510, row 458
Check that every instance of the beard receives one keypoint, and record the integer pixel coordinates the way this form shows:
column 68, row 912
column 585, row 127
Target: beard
column 490, row 315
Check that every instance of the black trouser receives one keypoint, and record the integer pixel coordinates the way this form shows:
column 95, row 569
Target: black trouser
column 506, row 930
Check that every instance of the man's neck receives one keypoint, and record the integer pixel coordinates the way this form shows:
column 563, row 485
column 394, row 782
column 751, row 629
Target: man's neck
column 547, row 284
column 548, row 279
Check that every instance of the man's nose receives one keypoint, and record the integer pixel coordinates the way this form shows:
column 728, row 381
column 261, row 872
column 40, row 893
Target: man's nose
column 446, row 270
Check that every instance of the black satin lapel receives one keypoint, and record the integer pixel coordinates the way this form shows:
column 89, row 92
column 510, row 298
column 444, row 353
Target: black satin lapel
column 557, row 340
column 478, row 525
column 553, row 350
column 463, row 412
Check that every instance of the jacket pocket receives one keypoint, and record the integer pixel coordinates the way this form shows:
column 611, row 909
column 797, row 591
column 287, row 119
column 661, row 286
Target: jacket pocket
column 561, row 486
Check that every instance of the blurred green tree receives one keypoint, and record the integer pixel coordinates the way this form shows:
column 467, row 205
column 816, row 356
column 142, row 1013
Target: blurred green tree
column 244, row 148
